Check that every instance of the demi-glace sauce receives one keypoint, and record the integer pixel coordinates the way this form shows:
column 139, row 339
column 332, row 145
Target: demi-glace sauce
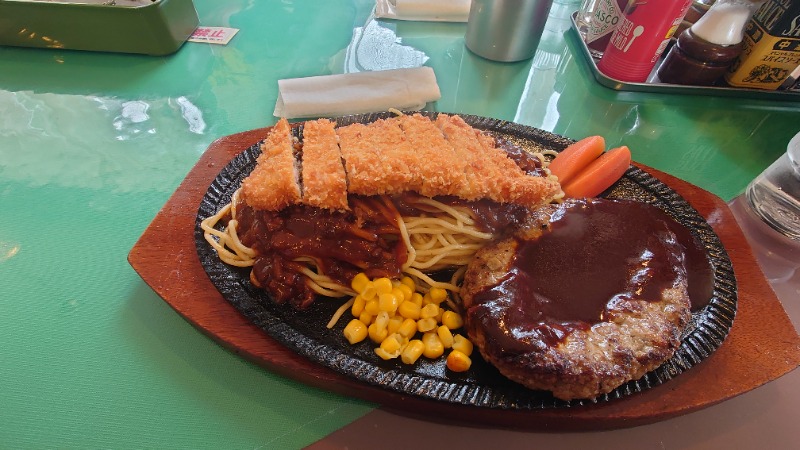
column 595, row 253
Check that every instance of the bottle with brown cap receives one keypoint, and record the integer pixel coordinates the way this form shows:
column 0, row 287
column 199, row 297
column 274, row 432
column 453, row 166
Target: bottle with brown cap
column 703, row 52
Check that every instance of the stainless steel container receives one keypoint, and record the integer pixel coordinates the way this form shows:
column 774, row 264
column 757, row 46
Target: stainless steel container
column 506, row 30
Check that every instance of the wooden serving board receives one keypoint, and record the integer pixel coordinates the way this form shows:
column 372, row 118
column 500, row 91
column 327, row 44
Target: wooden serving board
column 762, row 344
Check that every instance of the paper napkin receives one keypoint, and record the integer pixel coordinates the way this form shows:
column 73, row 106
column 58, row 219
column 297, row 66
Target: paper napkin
column 356, row 93
column 424, row 10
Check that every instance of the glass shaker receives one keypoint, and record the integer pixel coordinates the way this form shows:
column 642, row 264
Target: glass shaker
column 596, row 20
column 704, row 51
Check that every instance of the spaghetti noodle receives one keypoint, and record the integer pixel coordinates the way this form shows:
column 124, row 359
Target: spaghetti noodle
column 442, row 237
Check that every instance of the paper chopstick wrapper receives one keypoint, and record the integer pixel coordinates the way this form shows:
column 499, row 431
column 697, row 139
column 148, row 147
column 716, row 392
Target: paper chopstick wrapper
column 423, row 10
column 356, row 93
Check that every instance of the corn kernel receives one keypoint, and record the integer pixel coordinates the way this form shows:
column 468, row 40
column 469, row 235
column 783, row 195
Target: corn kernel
column 394, row 324
column 382, row 285
column 382, row 320
column 408, row 328
column 365, row 318
column 412, row 352
column 416, row 298
column 403, row 292
column 372, row 307
column 383, row 354
column 408, row 281
column 438, row 295
column 430, row 310
column 391, row 344
column 377, row 335
column 439, row 315
column 359, row 282
column 462, row 344
column 409, row 310
column 433, row 345
column 388, row 302
column 458, row 361
column 358, row 305
column 355, row 331
column 425, row 325
column 445, row 336
column 452, row 320
column 369, row 292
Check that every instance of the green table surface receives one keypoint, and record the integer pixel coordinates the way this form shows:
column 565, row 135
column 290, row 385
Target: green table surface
column 93, row 144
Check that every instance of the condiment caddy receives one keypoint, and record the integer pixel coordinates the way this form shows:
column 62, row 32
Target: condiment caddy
column 654, row 84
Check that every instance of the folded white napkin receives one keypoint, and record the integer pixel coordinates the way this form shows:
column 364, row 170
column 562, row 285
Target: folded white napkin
column 356, row 93
column 423, row 10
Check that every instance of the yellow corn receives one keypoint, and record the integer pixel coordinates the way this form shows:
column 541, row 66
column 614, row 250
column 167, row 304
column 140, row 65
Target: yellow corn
column 402, row 292
column 355, row 331
column 430, row 310
column 377, row 335
column 372, row 307
column 408, row 328
column 382, row 320
column 388, row 302
column 394, row 324
column 437, row 295
column 365, row 318
column 425, row 325
column 382, row 285
column 433, row 345
column 383, row 354
column 391, row 312
column 445, row 336
column 369, row 292
column 462, row 344
column 458, row 361
column 359, row 282
column 412, row 352
column 452, row 320
column 409, row 310
column 358, row 306
column 391, row 344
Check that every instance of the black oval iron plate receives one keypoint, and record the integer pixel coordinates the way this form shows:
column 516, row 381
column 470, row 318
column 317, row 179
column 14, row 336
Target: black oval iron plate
column 305, row 332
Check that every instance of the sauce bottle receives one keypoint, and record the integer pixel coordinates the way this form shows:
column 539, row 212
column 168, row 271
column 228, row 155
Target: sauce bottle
column 703, row 52
column 771, row 47
column 596, row 20
column 640, row 38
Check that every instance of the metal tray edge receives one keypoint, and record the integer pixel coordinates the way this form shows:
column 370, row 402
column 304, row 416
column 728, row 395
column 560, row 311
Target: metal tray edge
column 666, row 88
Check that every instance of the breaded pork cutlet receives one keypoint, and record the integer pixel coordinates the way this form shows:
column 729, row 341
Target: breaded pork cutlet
column 378, row 157
column 490, row 172
column 274, row 183
column 324, row 179
column 438, row 169
column 386, row 157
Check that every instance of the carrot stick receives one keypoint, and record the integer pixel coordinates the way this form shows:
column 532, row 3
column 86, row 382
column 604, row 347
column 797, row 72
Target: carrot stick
column 600, row 174
column 576, row 157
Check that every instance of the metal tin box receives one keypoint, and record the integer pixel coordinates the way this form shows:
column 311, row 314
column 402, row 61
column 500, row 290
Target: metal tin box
column 157, row 27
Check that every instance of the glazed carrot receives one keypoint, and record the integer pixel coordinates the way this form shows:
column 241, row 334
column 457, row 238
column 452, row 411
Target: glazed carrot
column 576, row 157
column 600, row 174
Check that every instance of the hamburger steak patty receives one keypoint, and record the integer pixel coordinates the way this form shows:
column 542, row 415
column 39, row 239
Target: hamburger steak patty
column 587, row 296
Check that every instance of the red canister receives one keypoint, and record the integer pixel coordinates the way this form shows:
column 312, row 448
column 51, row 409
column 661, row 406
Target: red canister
column 640, row 38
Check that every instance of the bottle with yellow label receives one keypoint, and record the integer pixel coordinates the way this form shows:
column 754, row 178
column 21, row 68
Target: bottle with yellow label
column 771, row 47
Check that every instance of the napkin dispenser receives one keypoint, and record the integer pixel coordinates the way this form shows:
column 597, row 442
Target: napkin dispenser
column 151, row 27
